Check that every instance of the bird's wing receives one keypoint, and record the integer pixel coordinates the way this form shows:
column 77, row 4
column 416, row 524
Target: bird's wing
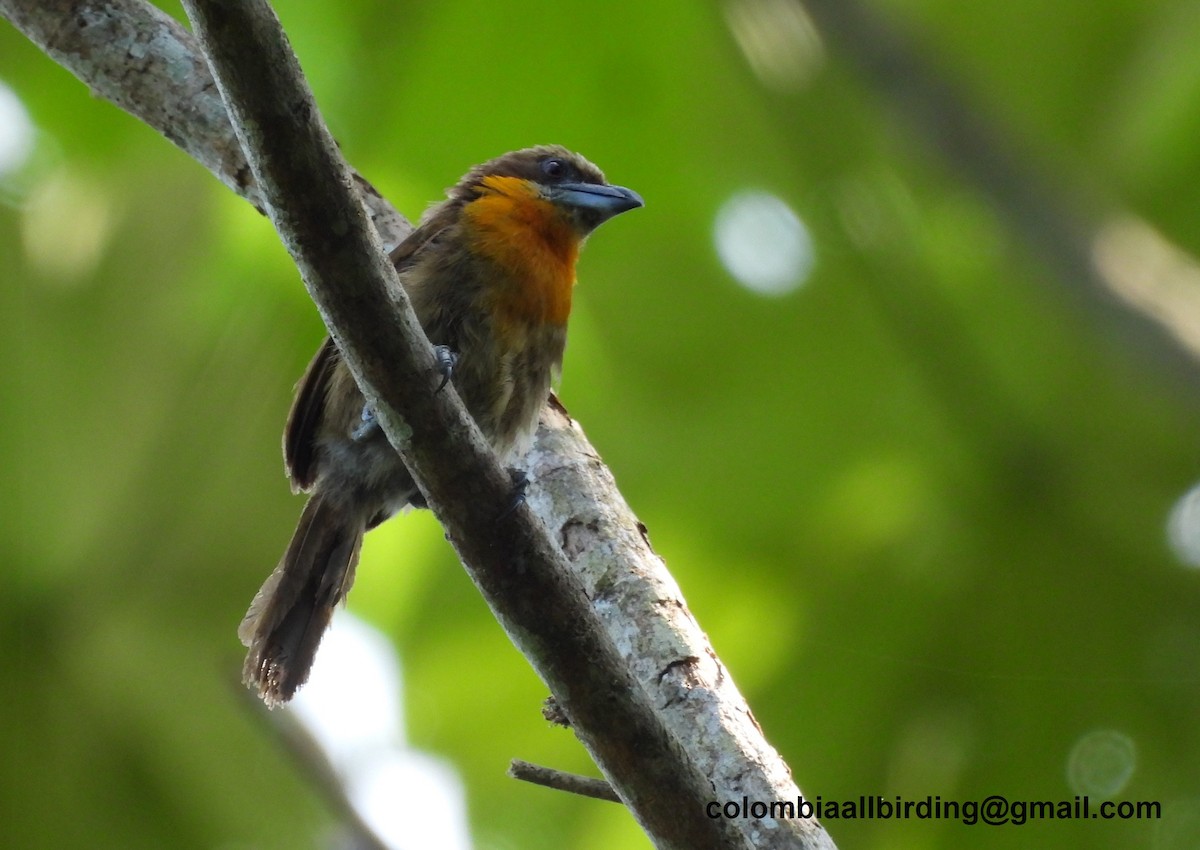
column 300, row 435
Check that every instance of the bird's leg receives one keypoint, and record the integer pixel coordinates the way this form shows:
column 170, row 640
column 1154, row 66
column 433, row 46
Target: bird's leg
column 446, row 360
column 520, row 482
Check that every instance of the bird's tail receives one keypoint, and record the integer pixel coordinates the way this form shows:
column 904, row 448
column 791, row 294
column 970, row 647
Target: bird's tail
column 291, row 611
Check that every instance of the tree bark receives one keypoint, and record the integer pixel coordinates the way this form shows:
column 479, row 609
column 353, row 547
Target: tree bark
column 570, row 574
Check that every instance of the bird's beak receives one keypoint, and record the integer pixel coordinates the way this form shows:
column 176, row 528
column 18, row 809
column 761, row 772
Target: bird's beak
column 596, row 203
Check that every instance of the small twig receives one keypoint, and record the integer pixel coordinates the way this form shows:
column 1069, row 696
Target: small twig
column 572, row 783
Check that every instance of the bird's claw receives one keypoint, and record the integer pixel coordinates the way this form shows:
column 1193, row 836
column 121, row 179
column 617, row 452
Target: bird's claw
column 446, row 361
column 520, row 482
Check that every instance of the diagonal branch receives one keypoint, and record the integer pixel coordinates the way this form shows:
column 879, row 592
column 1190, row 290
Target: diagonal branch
column 139, row 58
column 1089, row 246
column 571, row 577
column 142, row 60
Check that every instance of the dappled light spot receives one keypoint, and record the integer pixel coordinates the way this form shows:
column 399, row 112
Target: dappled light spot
column 1152, row 274
column 1101, row 763
column 351, row 707
column 66, row 225
column 352, row 700
column 16, row 132
column 763, row 243
column 1183, row 528
column 411, row 799
column 779, row 40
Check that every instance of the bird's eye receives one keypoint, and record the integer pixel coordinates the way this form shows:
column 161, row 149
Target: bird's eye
column 555, row 169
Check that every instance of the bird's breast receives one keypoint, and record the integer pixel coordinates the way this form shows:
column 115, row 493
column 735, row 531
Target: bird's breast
column 531, row 247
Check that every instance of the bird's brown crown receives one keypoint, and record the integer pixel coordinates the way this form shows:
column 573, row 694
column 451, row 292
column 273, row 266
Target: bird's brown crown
column 544, row 164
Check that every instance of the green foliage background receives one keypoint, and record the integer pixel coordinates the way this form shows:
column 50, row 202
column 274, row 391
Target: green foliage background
column 918, row 504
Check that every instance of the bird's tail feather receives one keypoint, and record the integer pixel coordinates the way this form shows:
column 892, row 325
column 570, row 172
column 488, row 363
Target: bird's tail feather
column 291, row 611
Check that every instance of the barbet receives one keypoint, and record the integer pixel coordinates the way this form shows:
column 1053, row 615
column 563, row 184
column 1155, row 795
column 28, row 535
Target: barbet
column 490, row 273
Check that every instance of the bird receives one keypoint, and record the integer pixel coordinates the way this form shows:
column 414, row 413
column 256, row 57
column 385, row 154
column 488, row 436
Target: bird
column 490, row 273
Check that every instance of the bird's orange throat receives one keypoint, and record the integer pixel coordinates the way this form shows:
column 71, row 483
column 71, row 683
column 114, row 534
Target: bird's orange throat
column 531, row 243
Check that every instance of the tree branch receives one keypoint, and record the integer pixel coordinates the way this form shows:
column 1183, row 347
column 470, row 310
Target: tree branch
column 137, row 57
column 581, row 592
column 141, row 59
